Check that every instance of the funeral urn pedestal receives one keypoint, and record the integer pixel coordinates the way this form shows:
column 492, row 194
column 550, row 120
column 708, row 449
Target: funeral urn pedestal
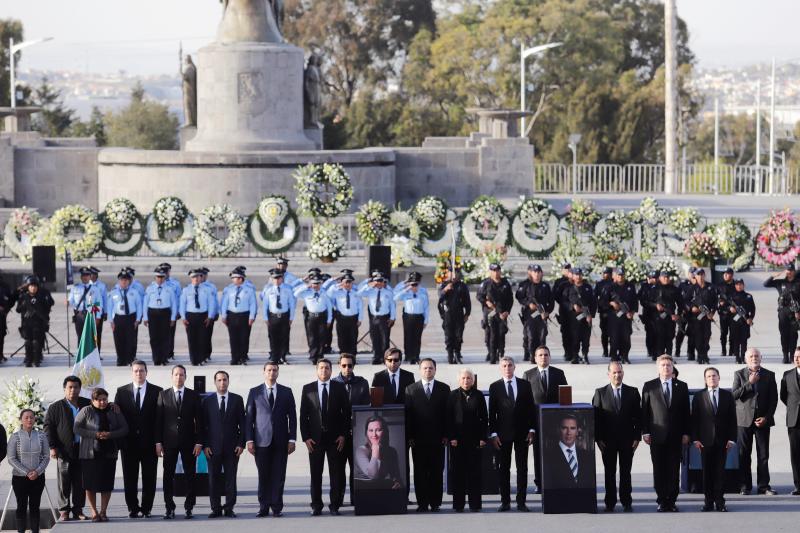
column 249, row 98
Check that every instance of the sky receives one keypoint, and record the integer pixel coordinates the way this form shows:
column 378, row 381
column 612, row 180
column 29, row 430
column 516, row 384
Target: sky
column 142, row 36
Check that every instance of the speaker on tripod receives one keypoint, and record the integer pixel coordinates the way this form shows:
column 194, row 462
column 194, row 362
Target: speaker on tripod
column 44, row 263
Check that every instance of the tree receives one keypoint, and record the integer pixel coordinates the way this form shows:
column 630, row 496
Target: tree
column 142, row 124
column 94, row 127
column 9, row 28
column 55, row 118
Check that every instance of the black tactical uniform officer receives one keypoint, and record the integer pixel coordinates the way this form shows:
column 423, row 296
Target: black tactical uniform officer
column 703, row 305
column 725, row 290
column 496, row 298
column 667, row 306
column 788, row 287
column 536, row 304
column 583, row 307
column 622, row 303
column 7, row 300
column 602, row 312
column 564, row 314
column 646, row 296
column 454, row 309
column 684, row 330
column 742, row 310
column 33, row 305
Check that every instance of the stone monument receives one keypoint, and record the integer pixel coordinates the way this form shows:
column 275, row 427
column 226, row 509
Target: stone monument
column 312, row 100
column 250, row 85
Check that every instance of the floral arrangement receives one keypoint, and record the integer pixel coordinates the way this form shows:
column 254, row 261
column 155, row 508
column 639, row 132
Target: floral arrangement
column 372, row 222
column 20, row 230
column 617, row 226
column 568, row 250
column 59, row 231
column 470, row 272
column 22, row 393
column 778, row 239
column 581, row 215
column 402, row 251
column 401, row 222
column 493, row 253
column 120, row 215
column 635, row 269
column 443, row 264
column 323, row 191
column 666, row 265
column 430, row 214
column 700, row 249
column 123, row 227
column 273, row 227
column 648, row 213
column 733, row 239
column 169, row 213
column 216, row 218
column 534, row 213
column 485, row 224
column 327, row 242
column 534, row 228
column 607, row 252
column 684, row 220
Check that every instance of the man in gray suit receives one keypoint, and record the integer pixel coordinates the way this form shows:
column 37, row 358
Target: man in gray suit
column 270, row 432
column 756, row 395
column 790, row 396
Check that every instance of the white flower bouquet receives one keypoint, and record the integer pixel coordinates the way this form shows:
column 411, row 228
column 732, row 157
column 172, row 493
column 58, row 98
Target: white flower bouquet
column 220, row 231
column 327, row 242
column 20, row 230
column 581, row 215
column 684, row 220
column 22, row 393
column 123, row 228
column 486, row 223
column 402, row 251
column 430, row 214
column 170, row 212
column 372, row 222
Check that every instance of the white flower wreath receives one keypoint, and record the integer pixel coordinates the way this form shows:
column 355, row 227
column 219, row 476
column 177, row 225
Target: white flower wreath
column 433, row 247
column 323, row 191
column 20, row 230
column 122, row 228
column 489, row 214
column 169, row 247
column 681, row 223
column 534, row 228
column 56, row 232
column 209, row 220
column 273, row 227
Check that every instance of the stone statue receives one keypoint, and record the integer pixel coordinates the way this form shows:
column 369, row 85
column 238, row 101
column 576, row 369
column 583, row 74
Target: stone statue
column 248, row 21
column 189, row 75
column 277, row 12
column 312, row 92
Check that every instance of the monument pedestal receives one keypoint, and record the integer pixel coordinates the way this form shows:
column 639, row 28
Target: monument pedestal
column 249, row 98
column 186, row 134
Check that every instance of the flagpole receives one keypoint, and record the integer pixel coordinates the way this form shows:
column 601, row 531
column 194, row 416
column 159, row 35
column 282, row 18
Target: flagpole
column 69, row 283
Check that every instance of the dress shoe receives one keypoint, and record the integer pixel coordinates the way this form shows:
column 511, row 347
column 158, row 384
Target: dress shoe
column 63, row 516
column 459, row 510
column 189, row 514
column 80, row 516
column 745, row 492
column 522, row 508
column 277, row 514
column 434, row 508
column 662, row 509
column 145, row 514
column 609, row 509
column 229, row 513
column 422, row 509
column 169, row 515
column 768, row 492
column 722, row 508
column 796, row 492
column 474, row 510
column 262, row 514
column 706, row 508
column 504, row 507
column 673, row 508
column 316, row 512
column 214, row 514
column 627, row 508
column 334, row 511
column 134, row 514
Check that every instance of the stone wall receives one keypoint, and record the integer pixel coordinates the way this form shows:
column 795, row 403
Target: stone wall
column 49, row 178
column 6, row 172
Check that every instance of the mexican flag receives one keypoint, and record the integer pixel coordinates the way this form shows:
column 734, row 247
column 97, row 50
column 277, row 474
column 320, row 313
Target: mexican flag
column 87, row 363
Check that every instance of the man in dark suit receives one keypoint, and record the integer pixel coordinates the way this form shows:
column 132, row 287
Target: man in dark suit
column 178, row 420
column 511, row 424
column 222, row 435
column 271, row 431
column 137, row 401
column 665, row 428
column 714, row 433
column 568, row 466
column 790, row 396
column 324, row 422
column 393, row 379
column 357, row 389
column 426, row 414
column 58, row 424
column 544, row 381
column 756, row 393
column 617, row 432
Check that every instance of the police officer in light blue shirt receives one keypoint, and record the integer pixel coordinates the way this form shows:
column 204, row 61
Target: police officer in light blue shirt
column 213, row 313
column 81, row 297
column 160, row 311
column 175, row 285
column 415, row 314
column 237, row 310
column 124, row 314
column 288, row 278
column 247, row 282
column 196, row 305
column 279, row 307
column 102, row 316
column 348, row 311
column 380, row 300
column 135, row 284
column 319, row 313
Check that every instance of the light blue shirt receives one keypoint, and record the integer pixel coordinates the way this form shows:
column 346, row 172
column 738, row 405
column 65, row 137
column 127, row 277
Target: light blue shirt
column 291, row 280
column 315, row 301
column 103, row 295
column 270, row 298
column 338, row 296
column 116, row 303
column 175, row 285
column 93, row 296
column 238, row 299
column 414, row 303
column 215, row 294
column 207, row 300
column 386, row 294
column 135, row 286
column 160, row 297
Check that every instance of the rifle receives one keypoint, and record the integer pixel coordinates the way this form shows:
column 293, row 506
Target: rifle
column 624, row 309
column 794, row 307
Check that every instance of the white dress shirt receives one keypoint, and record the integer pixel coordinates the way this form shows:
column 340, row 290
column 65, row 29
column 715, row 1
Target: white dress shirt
column 396, row 382
column 143, row 386
column 564, row 449
column 319, row 390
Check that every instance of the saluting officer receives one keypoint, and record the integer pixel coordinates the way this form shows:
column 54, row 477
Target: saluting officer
column 602, row 312
column 348, row 313
column 454, row 309
column 33, row 305
column 583, row 307
column 703, row 305
column 496, row 298
column 82, row 297
column 788, row 287
column 415, row 315
column 743, row 311
column 319, row 313
column 124, row 315
column 647, row 299
column 667, row 306
column 196, row 306
column 102, row 315
column 622, row 304
column 282, row 265
column 279, row 306
column 237, row 311
column 159, row 313
column 380, row 302
column 686, row 288
column 560, row 287
column 725, row 290
column 536, row 300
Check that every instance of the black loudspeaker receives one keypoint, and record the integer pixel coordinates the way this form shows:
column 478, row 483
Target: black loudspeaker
column 44, row 263
column 380, row 258
column 200, row 384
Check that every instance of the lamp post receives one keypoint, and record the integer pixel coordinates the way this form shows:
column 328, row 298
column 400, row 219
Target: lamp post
column 525, row 53
column 574, row 139
column 13, row 49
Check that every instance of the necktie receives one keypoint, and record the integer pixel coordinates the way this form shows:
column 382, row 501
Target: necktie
column 222, row 409
column 714, row 400
column 378, row 302
column 180, row 401
column 394, row 387
column 510, row 391
column 349, row 391
column 617, row 399
column 197, row 297
column 667, row 394
column 125, row 301
column 573, row 463
column 83, row 298
column 428, row 390
column 139, row 398
column 316, row 296
column 278, row 301
column 544, row 381
column 237, row 300
column 324, row 404
column 271, row 399
column 348, row 299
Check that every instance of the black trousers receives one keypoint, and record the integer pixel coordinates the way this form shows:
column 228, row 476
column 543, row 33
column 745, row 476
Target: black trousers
column 158, row 324
column 347, row 333
column 713, row 458
column 379, row 336
column 316, row 331
column 453, row 326
column 504, row 472
column 99, row 324
column 271, row 466
column 619, row 329
column 701, row 331
column 134, row 458
column 346, row 472
column 208, row 340
column 788, row 330
column 664, row 332
column 580, row 334
column 564, row 320
column 172, row 330
column 216, row 486
column 125, row 338
column 666, row 458
column 29, row 495
column 71, row 496
column 326, row 448
column 189, row 462
column 466, row 475
column 428, row 465
column 239, row 336
column 685, row 332
column 536, row 333
column 33, row 332
column 724, row 333
column 278, row 330
column 78, row 318
column 497, row 329
column 622, row 452
column 604, row 340
column 794, row 453
column 197, row 335
column 412, row 335
column 739, row 333
column 537, row 461
column 745, row 444
column 650, row 335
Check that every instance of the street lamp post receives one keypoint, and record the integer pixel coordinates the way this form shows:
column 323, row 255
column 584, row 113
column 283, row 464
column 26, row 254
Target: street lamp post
column 525, row 53
column 13, row 49
column 574, row 139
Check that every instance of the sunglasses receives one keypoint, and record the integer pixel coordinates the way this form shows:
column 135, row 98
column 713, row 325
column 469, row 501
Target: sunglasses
column 392, row 360
column 347, row 365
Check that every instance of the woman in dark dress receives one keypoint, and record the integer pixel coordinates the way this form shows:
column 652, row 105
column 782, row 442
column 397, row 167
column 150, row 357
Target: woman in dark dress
column 99, row 427
column 376, row 462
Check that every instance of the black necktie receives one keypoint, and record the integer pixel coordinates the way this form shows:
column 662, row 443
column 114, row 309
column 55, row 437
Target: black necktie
column 180, row 401
column 324, row 404
column 378, row 302
column 222, row 409
column 394, row 387
column 428, row 390
column 714, row 401
column 197, row 297
column 617, row 399
column 544, row 381
column 278, row 301
column 238, row 290
column 125, row 301
column 510, row 391
column 271, row 399
column 348, row 299
column 667, row 393
column 139, row 398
